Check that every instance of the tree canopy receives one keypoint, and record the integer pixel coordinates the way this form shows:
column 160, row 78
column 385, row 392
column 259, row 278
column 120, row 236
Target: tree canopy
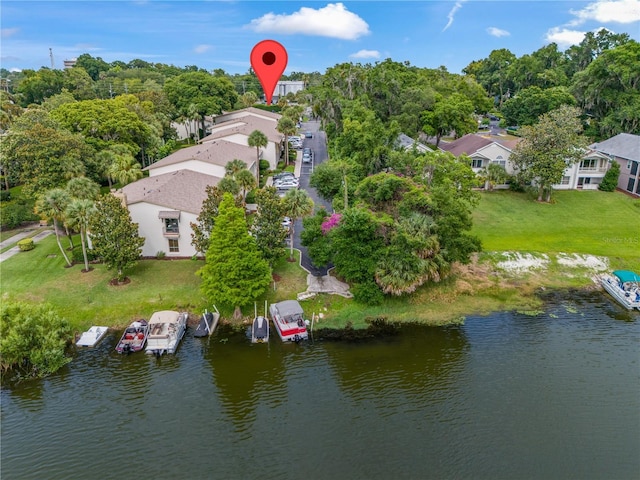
column 235, row 274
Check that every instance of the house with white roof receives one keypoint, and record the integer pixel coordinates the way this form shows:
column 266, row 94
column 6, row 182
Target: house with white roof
column 624, row 149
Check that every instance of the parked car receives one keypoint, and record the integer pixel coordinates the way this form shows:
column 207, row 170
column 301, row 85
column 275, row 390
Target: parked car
column 282, row 175
column 308, row 135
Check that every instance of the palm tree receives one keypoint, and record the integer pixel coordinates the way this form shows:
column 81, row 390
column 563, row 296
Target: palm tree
column 125, row 169
column 83, row 188
column 286, row 127
column 52, row 206
column 297, row 204
column 257, row 139
column 78, row 214
column 246, row 182
column 234, row 166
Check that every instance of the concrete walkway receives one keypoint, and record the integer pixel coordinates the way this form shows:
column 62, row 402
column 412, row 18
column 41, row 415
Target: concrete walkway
column 16, row 238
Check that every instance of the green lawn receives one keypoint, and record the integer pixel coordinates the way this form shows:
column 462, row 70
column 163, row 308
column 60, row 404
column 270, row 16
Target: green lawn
column 598, row 223
column 87, row 299
column 587, row 222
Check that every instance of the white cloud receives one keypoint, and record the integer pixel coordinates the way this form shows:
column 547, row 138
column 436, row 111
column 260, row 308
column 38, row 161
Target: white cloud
column 366, row 54
column 202, row 48
column 497, row 32
column 608, row 11
column 452, row 13
column 9, row 32
column 564, row 37
column 334, row 21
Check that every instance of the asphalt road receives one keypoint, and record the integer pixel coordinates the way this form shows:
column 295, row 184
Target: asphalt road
column 318, row 145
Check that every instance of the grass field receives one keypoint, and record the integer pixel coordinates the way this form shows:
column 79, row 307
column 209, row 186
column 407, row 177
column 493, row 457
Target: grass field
column 84, row 299
column 596, row 223
column 590, row 222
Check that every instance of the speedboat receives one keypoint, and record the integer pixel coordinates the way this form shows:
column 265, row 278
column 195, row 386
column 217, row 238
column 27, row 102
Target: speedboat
column 260, row 330
column 288, row 318
column 134, row 337
column 624, row 286
column 166, row 329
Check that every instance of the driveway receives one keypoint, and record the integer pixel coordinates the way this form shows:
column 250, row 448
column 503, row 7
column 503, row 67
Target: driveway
column 318, row 145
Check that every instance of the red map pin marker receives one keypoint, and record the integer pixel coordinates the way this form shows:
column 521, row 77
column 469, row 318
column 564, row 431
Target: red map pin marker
column 269, row 59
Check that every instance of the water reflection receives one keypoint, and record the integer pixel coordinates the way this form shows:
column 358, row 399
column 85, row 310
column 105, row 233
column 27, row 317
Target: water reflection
column 247, row 376
column 417, row 367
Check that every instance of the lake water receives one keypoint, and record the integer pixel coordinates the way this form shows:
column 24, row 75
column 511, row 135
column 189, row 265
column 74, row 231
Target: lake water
column 507, row 396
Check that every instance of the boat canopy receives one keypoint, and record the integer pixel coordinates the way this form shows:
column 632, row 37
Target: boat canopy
column 627, row 276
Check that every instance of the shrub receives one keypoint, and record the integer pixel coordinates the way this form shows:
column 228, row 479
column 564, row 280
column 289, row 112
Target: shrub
column 26, row 244
column 76, row 254
column 33, row 339
column 368, row 293
column 5, row 195
column 610, row 179
column 16, row 212
column 160, row 255
column 264, row 165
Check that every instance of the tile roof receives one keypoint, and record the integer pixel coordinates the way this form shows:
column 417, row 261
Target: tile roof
column 623, row 145
column 245, row 125
column 218, row 152
column 180, row 190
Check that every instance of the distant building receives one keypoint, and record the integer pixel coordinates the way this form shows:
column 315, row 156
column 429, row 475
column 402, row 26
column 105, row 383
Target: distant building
column 70, row 63
column 285, row 87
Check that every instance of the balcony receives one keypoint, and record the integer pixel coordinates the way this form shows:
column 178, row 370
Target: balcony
column 592, row 170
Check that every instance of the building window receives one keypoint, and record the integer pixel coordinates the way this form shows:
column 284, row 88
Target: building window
column 634, row 168
column 630, row 185
column 171, row 225
column 565, row 180
column 476, row 163
column 174, row 247
column 590, row 163
column 502, row 163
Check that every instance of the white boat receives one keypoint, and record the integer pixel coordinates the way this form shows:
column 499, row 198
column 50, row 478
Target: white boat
column 260, row 330
column 624, row 286
column 92, row 336
column 288, row 319
column 166, row 329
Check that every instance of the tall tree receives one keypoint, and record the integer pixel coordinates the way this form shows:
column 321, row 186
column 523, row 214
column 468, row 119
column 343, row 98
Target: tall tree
column 83, row 188
column 114, row 236
column 451, row 114
column 125, row 169
column 208, row 94
column 257, row 139
column 287, row 127
column 235, row 274
column 297, row 204
column 78, row 214
column 246, row 182
column 548, row 148
column 609, row 90
column 267, row 226
column 52, row 205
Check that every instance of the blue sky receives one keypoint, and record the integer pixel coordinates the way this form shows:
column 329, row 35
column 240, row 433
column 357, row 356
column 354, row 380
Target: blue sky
column 317, row 35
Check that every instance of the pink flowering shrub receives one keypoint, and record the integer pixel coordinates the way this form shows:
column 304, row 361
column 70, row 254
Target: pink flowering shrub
column 331, row 222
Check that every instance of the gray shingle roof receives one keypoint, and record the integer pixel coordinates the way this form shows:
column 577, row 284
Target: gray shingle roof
column 218, row 152
column 245, row 126
column 180, row 190
column 623, row 145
